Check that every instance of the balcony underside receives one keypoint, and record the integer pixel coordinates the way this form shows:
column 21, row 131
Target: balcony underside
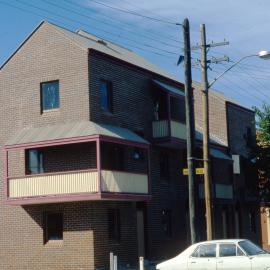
column 78, row 186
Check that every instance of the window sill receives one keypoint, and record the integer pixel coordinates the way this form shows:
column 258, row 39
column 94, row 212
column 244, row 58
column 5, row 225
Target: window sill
column 50, row 111
column 54, row 243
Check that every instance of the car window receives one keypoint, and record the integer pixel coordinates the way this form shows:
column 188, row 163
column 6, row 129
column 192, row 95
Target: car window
column 250, row 248
column 226, row 250
column 205, row 251
column 240, row 252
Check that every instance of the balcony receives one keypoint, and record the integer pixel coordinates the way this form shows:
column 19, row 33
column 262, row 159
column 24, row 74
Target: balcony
column 92, row 168
column 78, row 183
column 166, row 129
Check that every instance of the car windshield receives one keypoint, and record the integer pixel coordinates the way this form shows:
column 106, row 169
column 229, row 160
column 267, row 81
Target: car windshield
column 250, row 248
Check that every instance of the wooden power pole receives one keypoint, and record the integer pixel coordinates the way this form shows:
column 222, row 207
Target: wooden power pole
column 190, row 124
column 206, row 156
column 206, row 145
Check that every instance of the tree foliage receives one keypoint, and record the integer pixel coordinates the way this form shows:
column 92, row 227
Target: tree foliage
column 262, row 150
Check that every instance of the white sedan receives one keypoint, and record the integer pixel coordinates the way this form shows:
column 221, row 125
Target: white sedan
column 220, row 254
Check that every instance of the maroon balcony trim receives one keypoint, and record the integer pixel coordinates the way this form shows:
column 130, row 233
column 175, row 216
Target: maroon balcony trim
column 79, row 196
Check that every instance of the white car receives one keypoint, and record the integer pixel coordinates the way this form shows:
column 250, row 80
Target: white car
column 235, row 254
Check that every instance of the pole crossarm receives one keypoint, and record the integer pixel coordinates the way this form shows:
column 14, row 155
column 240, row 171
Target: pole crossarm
column 232, row 66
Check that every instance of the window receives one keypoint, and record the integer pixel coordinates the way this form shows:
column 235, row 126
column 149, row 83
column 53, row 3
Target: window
column 205, row 251
column 106, row 96
column 34, row 162
column 50, row 95
column 167, row 222
column 112, row 156
column 114, row 226
column 164, row 166
column 250, row 248
column 248, row 136
column 53, row 226
column 226, row 250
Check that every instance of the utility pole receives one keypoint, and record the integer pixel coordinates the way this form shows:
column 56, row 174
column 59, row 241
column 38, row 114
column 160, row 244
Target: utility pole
column 205, row 103
column 190, row 124
column 206, row 156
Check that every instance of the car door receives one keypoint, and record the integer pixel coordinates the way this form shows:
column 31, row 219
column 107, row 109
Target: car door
column 230, row 256
column 203, row 258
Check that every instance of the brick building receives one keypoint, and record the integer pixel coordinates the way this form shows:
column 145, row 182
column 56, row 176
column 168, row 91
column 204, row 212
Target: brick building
column 93, row 140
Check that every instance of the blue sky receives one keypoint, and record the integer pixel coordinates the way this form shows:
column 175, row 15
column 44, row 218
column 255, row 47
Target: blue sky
column 245, row 23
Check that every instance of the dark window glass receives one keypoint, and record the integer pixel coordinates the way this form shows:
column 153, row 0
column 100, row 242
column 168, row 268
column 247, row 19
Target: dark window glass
column 50, row 95
column 53, row 227
column 112, row 156
column 114, row 226
column 226, row 250
column 167, row 222
column 248, row 136
column 205, row 251
column 240, row 252
column 178, row 112
column 252, row 221
column 164, row 166
column 106, row 96
column 34, row 161
column 250, row 248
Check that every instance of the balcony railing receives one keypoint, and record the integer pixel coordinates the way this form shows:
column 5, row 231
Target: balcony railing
column 72, row 183
column 169, row 128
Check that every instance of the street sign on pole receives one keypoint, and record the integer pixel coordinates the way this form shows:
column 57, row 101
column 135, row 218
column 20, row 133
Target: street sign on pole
column 198, row 171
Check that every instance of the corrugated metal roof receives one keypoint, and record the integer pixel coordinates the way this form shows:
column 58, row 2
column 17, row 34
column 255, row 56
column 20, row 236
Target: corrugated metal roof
column 71, row 130
column 89, row 41
column 169, row 88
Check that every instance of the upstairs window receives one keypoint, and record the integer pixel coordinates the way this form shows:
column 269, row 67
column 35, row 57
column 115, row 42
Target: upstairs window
column 114, row 226
column 34, row 162
column 50, row 95
column 53, row 226
column 106, row 96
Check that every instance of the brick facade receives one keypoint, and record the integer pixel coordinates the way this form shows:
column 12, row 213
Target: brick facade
column 50, row 55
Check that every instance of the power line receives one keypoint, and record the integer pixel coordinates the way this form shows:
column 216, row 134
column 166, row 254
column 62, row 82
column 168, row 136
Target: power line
column 135, row 13
column 110, row 25
column 100, row 29
column 150, row 32
column 243, row 90
column 61, row 22
column 252, row 86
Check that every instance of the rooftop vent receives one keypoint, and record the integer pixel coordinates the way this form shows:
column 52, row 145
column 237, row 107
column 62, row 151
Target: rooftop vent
column 102, row 42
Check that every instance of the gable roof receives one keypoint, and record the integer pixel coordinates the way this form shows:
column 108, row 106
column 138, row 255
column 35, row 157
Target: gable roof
column 88, row 41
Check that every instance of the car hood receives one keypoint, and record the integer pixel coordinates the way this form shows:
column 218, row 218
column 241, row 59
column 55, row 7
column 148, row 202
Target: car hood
column 165, row 264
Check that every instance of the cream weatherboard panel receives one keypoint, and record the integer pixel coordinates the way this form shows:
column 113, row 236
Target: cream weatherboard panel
column 160, row 129
column 122, row 182
column 42, row 185
column 178, row 130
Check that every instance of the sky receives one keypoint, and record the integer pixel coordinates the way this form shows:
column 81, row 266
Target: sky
column 244, row 23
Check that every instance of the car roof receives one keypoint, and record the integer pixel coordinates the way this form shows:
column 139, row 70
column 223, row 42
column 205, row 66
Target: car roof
column 221, row 241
